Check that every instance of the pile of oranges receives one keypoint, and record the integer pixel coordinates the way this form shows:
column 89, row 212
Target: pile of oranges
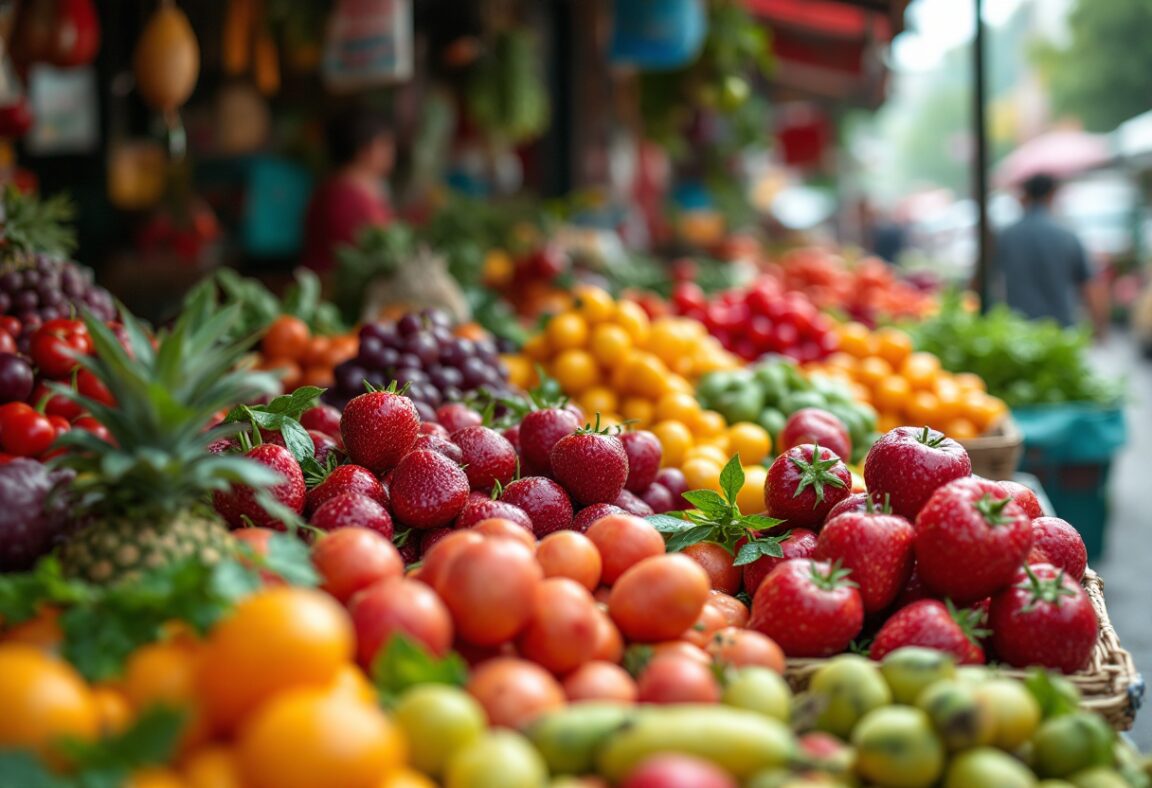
column 289, row 348
column 272, row 698
column 910, row 387
column 612, row 359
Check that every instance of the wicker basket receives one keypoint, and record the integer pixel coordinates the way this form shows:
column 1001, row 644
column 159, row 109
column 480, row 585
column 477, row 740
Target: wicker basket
column 1109, row 686
column 996, row 455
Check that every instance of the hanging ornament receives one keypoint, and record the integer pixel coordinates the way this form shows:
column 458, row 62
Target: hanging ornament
column 167, row 59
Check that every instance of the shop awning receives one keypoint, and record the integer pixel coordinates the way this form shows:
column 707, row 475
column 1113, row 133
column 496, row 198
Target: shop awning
column 831, row 49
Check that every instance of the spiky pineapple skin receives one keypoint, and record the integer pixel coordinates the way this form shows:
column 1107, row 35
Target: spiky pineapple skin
column 121, row 549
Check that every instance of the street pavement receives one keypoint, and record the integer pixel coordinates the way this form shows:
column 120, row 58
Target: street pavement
column 1127, row 564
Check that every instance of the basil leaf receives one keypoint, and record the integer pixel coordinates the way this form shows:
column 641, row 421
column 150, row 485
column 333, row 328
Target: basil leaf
column 668, row 524
column 695, row 535
column 732, row 479
column 708, row 502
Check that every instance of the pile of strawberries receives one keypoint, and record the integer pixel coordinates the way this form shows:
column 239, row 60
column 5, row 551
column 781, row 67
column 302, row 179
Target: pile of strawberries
column 930, row 556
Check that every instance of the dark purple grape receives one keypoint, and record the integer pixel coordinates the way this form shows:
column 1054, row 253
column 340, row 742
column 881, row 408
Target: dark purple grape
column 5, row 303
column 377, row 378
column 505, row 345
column 16, row 378
column 475, row 373
column 450, row 355
column 426, row 411
column 486, row 349
column 369, row 347
column 409, row 360
column 32, row 278
column 424, row 347
column 409, row 324
column 451, row 393
column 50, row 313
column 441, row 334
column 466, row 347
column 389, row 357
column 349, row 377
column 11, row 281
column 446, row 377
column 432, row 394
column 26, row 301
column 385, row 333
column 410, row 375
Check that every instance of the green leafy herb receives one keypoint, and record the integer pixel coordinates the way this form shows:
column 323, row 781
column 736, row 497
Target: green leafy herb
column 282, row 414
column 403, row 663
column 151, row 740
column 718, row 519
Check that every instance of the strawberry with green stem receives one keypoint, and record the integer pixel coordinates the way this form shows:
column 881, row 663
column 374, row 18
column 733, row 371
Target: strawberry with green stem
column 931, row 623
column 804, row 484
column 591, row 464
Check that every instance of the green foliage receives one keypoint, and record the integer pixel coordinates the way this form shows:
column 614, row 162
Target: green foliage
column 378, row 252
column 29, row 225
column 403, row 664
column 507, row 95
column 1104, row 75
column 1024, row 362
column 642, row 272
column 258, row 306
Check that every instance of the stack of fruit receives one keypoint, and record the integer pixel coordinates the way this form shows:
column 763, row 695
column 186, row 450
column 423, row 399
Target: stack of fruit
column 907, row 387
column 612, row 360
column 759, row 319
column 301, row 358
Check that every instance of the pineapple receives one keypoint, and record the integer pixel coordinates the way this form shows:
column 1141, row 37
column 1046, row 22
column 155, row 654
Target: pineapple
column 145, row 500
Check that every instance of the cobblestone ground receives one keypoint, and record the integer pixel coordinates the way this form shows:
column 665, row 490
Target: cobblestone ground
column 1127, row 568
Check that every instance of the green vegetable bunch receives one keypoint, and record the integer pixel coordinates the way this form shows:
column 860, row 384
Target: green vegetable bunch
column 1024, row 362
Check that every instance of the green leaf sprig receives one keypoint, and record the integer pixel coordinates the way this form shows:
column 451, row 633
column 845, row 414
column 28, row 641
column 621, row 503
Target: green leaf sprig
column 718, row 519
column 404, row 663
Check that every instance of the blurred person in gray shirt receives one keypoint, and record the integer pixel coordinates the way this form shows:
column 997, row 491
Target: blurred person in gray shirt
column 1045, row 272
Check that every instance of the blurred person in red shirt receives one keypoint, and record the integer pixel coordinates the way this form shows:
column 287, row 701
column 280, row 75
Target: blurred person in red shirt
column 362, row 151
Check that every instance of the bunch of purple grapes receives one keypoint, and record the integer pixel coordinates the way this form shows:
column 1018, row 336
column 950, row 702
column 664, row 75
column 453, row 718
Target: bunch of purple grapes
column 419, row 350
column 49, row 289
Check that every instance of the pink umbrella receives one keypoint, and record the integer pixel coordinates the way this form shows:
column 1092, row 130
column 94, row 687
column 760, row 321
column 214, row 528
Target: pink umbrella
column 1057, row 153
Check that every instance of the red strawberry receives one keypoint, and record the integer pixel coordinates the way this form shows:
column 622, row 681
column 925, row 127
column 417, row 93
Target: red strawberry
column 590, row 514
column 438, row 444
column 487, row 456
column 970, row 540
column 323, row 418
column 544, row 500
column 1060, row 542
column 930, row 623
column 1044, row 618
column 804, row 483
column 512, row 435
column 659, row 498
column 345, row 479
column 428, row 490
column 856, row 502
column 324, row 446
column 477, row 509
column 809, row 608
column 539, row 432
column 801, row 543
column 913, row 591
column 644, row 456
column 432, row 428
column 877, row 547
column 352, row 509
column 908, row 464
column 633, row 504
column 378, row 429
column 1024, row 497
column 590, row 464
column 814, row 425
column 455, row 416
column 238, row 505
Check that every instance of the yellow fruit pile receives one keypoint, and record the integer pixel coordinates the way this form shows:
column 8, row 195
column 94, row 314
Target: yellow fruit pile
column 272, row 698
column 908, row 387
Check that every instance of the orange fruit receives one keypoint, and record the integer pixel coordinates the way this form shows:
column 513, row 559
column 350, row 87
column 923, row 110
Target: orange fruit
column 598, row 399
column 43, row 700
column 888, row 421
column 567, row 330
column 112, row 706
column 632, row 318
column 920, row 370
column 406, row 778
column 536, row 348
column 287, row 337
column 891, row 393
column 969, row 381
column 42, row 631
column 841, row 360
column 708, row 452
column 707, row 424
column 594, row 304
column 923, row 408
column 678, row 405
column 520, row 372
column 674, row 437
column 702, row 473
column 278, row 639
column 856, row 340
column 154, row 777
column 307, row 737
column 750, row 499
column 949, row 398
column 751, row 441
column 214, row 766
column 637, row 410
column 961, row 429
column 872, row 371
column 575, row 370
column 160, row 673
column 893, row 345
column 646, row 376
column 609, row 343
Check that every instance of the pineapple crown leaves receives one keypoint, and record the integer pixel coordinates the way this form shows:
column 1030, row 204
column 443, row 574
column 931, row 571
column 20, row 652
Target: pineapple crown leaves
column 718, row 519
column 29, row 225
column 166, row 398
column 103, row 625
column 816, row 474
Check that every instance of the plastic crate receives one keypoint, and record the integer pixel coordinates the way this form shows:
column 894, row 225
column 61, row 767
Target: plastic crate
column 1079, row 494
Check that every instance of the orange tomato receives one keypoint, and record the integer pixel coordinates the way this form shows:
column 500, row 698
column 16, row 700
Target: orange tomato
column 742, row 647
column 923, row 409
column 489, row 590
column 623, row 541
column 872, row 371
column 407, row 778
column 473, row 331
column 920, row 370
column 594, row 304
column 321, row 376
column 44, row 700
column 598, row 399
column 160, row 673
column 659, row 597
column 891, row 393
column 961, row 429
column 154, row 777
column 702, row 473
column 570, row 554
column 856, row 340
column 536, row 348
column 893, row 345
column 307, row 737
column 214, row 766
column 600, row 681
column 640, row 411
column 575, row 370
column 632, row 318
column 707, row 424
column 949, row 398
column 287, row 337
column 645, row 375
column 316, row 354
column 678, row 405
column 969, row 381
column 735, row 612
column 514, row 691
column 610, row 343
column 567, row 330
column 561, row 635
column 278, row 639
column 717, row 562
column 609, row 641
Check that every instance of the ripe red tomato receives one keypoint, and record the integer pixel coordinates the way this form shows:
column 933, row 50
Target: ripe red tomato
column 24, row 431
column 89, row 424
column 91, row 387
column 55, row 404
column 56, row 344
column 671, row 678
column 561, row 635
column 490, row 590
column 7, row 342
column 514, row 692
column 351, row 559
column 672, row 770
column 10, row 325
column 398, row 606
